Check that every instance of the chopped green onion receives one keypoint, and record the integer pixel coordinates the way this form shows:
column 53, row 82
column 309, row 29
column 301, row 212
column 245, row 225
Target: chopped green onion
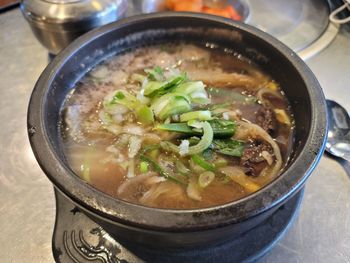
column 156, row 88
column 152, row 149
column 195, row 90
column 159, row 103
column 175, row 127
column 169, row 147
column 195, row 168
column 202, row 163
column 205, row 141
column 143, row 167
column 121, row 97
column 175, row 118
column 229, row 147
column 203, row 115
column 205, row 179
column 181, row 167
column 220, row 112
column 193, row 190
column 152, row 86
column 194, row 124
column 221, row 128
column 169, row 104
column 167, row 120
column 203, row 144
column 155, row 74
column 220, row 162
column 177, row 105
column 145, row 115
column 159, row 170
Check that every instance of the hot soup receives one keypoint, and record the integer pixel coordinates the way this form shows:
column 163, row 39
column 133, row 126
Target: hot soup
column 177, row 126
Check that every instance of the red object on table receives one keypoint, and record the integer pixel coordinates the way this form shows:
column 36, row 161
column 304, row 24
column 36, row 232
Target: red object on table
column 198, row 6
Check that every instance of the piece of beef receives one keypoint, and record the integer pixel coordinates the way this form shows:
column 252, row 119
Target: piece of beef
column 266, row 119
column 252, row 159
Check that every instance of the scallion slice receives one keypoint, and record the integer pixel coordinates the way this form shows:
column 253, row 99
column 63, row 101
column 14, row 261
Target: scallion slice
column 202, row 163
column 144, row 114
column 221, row 128
column 205, row 141
column 203, row 144
column 205, row 179
column 203, row 115
column 156, row 88
column 143, row 167
column 159, row 170
column 175, row 127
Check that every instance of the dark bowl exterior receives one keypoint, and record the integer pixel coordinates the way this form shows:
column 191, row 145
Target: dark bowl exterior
column 167, row 227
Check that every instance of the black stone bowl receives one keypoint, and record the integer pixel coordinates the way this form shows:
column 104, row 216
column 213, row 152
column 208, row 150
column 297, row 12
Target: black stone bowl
column 167, row 227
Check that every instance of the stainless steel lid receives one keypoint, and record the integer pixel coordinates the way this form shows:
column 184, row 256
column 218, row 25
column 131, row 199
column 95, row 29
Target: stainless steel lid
column 58, row 13
column 297, row 23
column 303, row 25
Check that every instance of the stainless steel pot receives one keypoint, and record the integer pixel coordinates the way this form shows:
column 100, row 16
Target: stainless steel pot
column 56, row 23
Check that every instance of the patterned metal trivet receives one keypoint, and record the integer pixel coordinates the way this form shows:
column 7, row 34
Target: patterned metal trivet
column 77, row 238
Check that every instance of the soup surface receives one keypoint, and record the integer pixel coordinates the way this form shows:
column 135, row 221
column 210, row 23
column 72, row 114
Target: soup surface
column 177, row 126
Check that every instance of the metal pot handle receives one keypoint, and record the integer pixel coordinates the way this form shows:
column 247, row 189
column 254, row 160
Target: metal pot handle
column 334, row 19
